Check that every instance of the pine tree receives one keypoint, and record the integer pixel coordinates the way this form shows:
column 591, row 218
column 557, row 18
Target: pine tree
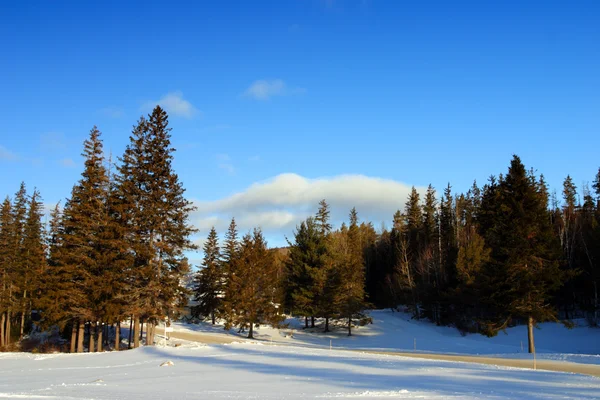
column 83, row 248
column 156, row 214
column 255, row 287
column 322, row 218
column 350, row 297
column 302, row 270
column 7, row 253
column 34, row 257
column 208, row 281
column 524, row 269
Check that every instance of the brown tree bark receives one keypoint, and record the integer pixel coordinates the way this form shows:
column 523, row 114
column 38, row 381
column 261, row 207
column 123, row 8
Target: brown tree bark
column 312, row 322
column 92, row 346
column 136, row 332
column 251, row 331
column 130, row 331
column 2, row 326
column 530, row 335
column 23, row 312
column 73, row 336
column 7, row 331
column 149, row 333
column 305, row 322
column 141, row 329
column 349, row 326
column 326, row 324
column 100, row 330
column 80, row 335
column 117, row 336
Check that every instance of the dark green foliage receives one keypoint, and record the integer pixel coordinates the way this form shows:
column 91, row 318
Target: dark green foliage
column 208, row 282
column 524, row 269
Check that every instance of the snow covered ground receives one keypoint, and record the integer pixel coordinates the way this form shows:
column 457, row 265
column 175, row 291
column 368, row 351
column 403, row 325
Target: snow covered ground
column 263, row 371
column 397, row 331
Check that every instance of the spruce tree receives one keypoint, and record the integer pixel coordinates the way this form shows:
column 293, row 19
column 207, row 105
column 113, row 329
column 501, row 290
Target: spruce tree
column 83, row 248
column 255, row 287
column 7, row 253
column 524, row 271
column 209, row 280
column 350, row 297
column 155, row 213
column 34, row 257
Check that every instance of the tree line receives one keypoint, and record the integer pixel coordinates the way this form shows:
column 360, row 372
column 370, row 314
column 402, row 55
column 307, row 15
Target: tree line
column 497, row 255
column 505, row 253
column 114, row 250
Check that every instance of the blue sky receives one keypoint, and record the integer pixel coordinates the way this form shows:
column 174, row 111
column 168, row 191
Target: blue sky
column 275, row 104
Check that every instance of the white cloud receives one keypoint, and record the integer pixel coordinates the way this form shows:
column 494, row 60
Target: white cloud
column 7, row 155
column 279, row 204
column 264, row 89
column 174, row 104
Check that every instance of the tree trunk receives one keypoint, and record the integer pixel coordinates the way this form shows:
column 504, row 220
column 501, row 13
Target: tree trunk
column 305, row 322
column 130, row 331
column 149, row 333
column 212, row 314
column 117, row 336
column 23, row 312
column 92, row 347
column 251, row 331
column 312, row 322
column 326, row 324
column 349, row 326
column 7, row 332
column 73, row 336
column 100, row 330
column 3, row 319
column 530, row 335
column 595, row 302
column 136, row 332
column 80, row 334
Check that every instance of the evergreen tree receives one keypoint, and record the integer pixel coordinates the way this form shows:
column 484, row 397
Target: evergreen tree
column 208, row 281
column 7, row 253
column 303, row 269
column 34, row 257
column 524, row 270
column 83, row 248
column 351, row 294
column 156, row 214
column 255, row 287
column 322, row 218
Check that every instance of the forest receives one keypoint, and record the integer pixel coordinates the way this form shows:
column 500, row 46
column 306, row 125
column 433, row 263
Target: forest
column 505, row 253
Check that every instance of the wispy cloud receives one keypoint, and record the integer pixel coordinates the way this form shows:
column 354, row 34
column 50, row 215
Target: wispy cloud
column 7, row 155
column 174, row 104
column 112, row 112
column 53, row 141
column 279, row 204
column 264, row 89
column 224, row 163
column 67, row 162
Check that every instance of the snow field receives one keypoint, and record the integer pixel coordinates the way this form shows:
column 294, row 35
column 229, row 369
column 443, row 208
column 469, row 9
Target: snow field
column 255, row 371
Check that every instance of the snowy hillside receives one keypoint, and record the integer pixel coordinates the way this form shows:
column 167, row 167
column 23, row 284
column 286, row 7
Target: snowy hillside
column 397, row 331
column 255, row 371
